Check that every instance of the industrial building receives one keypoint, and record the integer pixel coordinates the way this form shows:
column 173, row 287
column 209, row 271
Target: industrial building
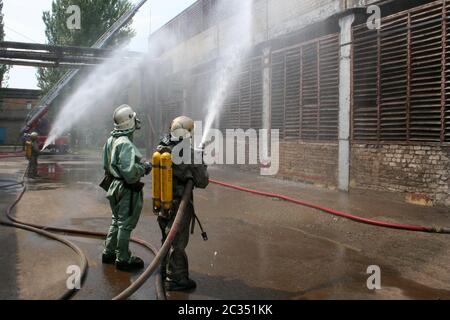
column 356, row 106
column 98, row 206
column 15, row 105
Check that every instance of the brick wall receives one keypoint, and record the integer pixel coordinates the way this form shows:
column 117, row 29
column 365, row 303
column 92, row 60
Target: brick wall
column 12, row 130
column 314, row 163
column 13, row 112
column 421, row 173
column 309, row 162
column 19, row 104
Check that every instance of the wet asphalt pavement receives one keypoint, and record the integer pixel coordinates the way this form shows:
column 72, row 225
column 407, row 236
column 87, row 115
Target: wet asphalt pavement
column 259, row 248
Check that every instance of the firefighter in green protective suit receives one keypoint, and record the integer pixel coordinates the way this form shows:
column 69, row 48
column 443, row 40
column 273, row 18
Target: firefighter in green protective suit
column 174, row 269
column 124, row 168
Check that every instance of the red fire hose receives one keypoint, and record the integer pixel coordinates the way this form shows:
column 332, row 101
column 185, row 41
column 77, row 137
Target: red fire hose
column 359, row 219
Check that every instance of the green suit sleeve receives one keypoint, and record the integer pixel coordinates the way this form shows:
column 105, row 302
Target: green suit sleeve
column 127, row 166
column 105, row 157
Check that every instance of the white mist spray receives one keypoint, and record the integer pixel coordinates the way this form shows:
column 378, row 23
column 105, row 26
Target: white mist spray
column 115, row 75
column 236, row 47
column 105, row 80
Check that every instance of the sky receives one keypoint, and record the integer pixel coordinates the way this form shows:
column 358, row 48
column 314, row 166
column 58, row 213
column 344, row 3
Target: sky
column 23, row 23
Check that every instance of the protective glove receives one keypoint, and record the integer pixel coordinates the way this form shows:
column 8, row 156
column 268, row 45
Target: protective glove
column 148, row 167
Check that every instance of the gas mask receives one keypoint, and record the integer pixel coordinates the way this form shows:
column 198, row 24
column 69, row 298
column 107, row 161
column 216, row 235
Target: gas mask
column 138, row 124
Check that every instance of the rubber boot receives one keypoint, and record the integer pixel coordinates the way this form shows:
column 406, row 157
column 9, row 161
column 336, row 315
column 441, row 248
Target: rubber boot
column 185, row 284
column 108, row 258
column 133, row 264
column 124, row 261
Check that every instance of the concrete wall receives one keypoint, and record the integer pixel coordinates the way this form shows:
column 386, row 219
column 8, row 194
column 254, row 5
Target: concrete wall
column 271, row 19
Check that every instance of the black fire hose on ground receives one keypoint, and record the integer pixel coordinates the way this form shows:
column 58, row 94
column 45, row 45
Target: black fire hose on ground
column 83, row 265
column 45, row 231
column 75, row 248
column 160, row 293
column 13, row 223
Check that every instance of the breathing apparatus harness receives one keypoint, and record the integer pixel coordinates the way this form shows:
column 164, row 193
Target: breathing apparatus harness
column 28, row 149
column 163, row 182
column 30, row 139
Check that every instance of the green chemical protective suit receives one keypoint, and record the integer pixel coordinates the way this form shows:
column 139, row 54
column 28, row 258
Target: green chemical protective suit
column 122, row 160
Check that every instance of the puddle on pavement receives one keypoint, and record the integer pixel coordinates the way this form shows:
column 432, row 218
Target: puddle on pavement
column 393, row 287
column 55, row 175
column 10, row 188
column 291, row 265
column 103, row 282
column 324, row 269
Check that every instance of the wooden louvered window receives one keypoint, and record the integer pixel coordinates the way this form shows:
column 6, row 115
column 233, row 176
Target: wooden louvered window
column 256, row 93
column 277, row 91
column 198, row 87
column 170, row 97
column 400, row 77
column 242, row 108
column 305, row 90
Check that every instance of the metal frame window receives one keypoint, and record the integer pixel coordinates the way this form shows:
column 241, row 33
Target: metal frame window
column 401, row 82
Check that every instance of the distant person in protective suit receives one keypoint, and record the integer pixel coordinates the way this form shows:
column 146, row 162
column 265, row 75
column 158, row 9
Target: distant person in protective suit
column 32, row 153
column 174, row 269
column 124, row 168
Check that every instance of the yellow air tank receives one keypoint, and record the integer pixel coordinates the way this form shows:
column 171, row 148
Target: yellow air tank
column 156, row 182
column 28, row 149
column 166, row 182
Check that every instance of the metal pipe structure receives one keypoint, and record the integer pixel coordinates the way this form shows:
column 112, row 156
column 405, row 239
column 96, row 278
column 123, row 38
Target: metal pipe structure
column 43, row 64
column 44, row 55
column 47, row 100
column 97, row 52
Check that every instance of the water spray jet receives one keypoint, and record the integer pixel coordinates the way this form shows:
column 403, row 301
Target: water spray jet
column 230, row 63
